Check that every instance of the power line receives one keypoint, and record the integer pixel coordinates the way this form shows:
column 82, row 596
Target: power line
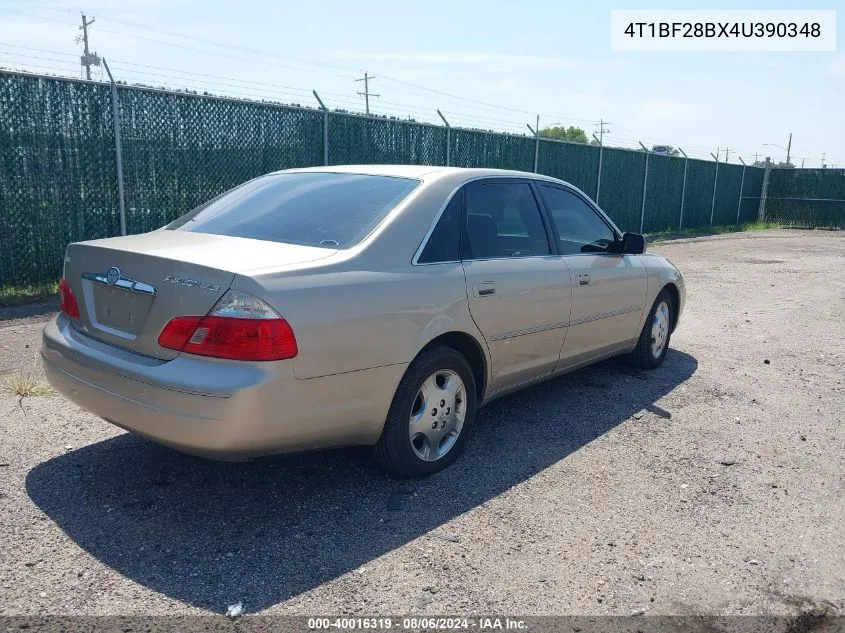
column 176, row 45
column 325, row 68
column 265, row 53
column 128, row 72
column 37, row 50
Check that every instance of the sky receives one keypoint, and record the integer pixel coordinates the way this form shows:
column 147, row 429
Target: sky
column 492, row 64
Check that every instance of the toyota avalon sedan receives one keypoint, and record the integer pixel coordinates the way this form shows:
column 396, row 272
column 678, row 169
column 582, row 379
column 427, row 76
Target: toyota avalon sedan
column 375, row 305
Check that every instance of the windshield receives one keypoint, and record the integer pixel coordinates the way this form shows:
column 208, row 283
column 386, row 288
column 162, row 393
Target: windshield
column 310, row 208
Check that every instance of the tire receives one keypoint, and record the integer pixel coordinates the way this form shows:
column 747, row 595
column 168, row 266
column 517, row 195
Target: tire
column 644, row 355
column 424, row 432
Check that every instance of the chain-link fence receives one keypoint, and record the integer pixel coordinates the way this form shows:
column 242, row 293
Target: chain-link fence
column 58, row 170
column 807, row 198
column 180, row 150
column 57, row 174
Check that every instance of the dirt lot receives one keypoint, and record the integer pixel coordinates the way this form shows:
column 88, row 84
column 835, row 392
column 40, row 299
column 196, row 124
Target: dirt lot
column 715, row 484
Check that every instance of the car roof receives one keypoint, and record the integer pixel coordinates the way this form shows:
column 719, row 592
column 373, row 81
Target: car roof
column 419, row 171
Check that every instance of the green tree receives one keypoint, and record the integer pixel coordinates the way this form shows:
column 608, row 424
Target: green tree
column 762, row 163
column 562, row 133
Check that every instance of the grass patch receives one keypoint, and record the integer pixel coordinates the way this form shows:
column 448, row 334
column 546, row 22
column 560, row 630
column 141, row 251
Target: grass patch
column 21, row 295
column 25, row 384
column 700, row 231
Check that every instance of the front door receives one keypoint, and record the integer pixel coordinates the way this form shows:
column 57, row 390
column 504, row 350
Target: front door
column 608, row 289
column 519, row 292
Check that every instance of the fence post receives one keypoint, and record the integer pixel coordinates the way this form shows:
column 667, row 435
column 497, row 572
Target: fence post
column 448, row 136
column 683, row 189
column 325, row 127
column 715, row 182
column 118, row 149
column 598, row 176
column 761, row 214
column 741, row 187
column 537, row 144
column 645, row 187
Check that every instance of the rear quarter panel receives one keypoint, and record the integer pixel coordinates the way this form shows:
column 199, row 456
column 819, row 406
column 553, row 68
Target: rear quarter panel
column 356, row 319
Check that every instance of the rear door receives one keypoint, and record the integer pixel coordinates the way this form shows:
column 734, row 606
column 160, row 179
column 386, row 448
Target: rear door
column 608, row 289
column 519, row 290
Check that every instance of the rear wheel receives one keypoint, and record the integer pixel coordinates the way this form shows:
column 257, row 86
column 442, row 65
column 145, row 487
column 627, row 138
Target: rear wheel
column 654, row 339
column 431, row 416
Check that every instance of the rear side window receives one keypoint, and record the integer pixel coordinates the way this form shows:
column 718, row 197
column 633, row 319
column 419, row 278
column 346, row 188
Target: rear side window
column 311, row 209
column 444, row 243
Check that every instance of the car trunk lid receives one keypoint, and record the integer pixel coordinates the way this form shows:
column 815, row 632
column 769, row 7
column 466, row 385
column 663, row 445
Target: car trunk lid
column 128, row 288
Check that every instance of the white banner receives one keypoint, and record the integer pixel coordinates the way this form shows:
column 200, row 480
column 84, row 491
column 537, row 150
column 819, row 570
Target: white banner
column 722, row 30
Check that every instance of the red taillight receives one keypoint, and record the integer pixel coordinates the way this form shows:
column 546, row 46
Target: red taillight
column 68, row 300
column 229, row 337
column 177, row 332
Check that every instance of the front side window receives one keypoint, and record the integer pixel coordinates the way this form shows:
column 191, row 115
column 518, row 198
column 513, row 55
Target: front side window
column 503, row 220
column 330, row 210
column 578, row 227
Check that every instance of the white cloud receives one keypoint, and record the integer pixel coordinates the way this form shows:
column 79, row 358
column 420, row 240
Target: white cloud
column 666, row 111
column 503, row 61
column 503, row 85
column 586, row 101
column 837, row 66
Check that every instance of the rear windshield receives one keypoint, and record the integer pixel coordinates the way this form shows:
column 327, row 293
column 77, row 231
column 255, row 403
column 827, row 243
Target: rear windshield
column 312, row 209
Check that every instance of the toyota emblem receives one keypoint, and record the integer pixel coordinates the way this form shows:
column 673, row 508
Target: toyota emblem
column 113, row 275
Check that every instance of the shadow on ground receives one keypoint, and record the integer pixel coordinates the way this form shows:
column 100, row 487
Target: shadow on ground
column 31, row 310
column 211, row 533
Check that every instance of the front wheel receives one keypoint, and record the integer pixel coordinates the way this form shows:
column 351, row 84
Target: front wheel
column 654, row 339
column 431, row 416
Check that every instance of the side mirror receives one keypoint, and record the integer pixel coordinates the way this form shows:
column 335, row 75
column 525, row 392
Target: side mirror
column 632, row 244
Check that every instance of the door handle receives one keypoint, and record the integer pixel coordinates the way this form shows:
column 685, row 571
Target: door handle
column 484, row 289
column 583, row 279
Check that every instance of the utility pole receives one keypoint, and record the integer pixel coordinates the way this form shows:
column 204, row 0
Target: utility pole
column 645, row 186
column 788, row 149
column 823, row 157
column 683, row 188
column 602, row 131
column 87, row 59
column 715, row 183
column 448, row 136
column 536, row 132
column 598, row 175
column 761, row 213
column 367, row 94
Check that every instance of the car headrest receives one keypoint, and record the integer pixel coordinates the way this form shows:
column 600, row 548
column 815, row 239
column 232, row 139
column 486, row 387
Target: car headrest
column 483, row 235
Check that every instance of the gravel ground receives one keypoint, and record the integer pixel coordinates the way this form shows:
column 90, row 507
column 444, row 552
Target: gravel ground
column 713, row 485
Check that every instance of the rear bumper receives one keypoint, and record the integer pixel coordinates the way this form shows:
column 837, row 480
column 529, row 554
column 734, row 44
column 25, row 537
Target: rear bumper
column 217, row 408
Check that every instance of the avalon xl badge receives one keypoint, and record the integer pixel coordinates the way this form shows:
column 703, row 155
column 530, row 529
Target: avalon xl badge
column 191, row 283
